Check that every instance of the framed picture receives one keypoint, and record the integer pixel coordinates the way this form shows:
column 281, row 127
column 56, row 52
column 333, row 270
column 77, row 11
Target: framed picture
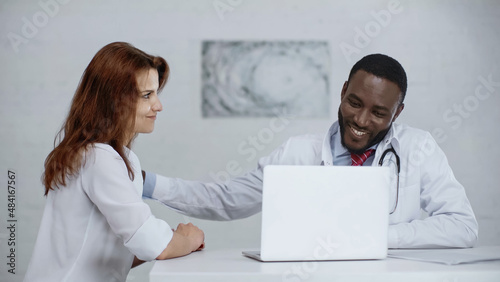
column 261, row 78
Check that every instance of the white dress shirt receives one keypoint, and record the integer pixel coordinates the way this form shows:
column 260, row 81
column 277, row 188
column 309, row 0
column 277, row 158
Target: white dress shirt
column 92, row 228
column 426, row 182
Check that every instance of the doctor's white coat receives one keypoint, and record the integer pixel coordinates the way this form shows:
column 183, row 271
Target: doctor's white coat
column 426, row 183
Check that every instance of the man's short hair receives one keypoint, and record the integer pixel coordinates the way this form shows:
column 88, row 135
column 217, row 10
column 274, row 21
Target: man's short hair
column 383, row 66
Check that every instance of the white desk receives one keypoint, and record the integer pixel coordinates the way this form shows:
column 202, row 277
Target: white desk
column 230, row 265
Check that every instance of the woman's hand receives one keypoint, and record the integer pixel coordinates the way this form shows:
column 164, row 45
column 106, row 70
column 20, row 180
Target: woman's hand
column 187, row 238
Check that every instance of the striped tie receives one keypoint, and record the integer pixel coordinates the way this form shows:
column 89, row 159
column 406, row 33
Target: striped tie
column 358, row 160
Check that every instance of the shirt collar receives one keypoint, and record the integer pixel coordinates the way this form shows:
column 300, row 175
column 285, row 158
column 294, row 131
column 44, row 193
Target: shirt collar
column 333, row 147
column 338, row 149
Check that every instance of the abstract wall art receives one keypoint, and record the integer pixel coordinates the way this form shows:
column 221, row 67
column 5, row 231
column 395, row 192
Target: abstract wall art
column 264, row 78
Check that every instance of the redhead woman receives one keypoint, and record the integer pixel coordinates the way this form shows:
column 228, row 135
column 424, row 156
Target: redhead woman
column 95, row 226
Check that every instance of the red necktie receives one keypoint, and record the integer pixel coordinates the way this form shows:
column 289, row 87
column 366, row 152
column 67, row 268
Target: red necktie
column 358, row 160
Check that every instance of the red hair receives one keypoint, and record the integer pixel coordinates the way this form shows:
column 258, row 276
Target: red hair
column 102, row 111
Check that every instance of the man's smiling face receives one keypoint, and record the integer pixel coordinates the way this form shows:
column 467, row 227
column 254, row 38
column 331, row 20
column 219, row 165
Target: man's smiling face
column 368, row 106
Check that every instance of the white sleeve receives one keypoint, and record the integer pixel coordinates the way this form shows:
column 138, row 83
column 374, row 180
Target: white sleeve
column 451, row 221
column 107, row 184
column 237, row 198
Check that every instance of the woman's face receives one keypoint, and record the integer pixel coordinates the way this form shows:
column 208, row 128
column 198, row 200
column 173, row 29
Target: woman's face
column 148, row 104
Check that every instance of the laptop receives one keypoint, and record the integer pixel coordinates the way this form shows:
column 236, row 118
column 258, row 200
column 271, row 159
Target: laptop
column 314, row 213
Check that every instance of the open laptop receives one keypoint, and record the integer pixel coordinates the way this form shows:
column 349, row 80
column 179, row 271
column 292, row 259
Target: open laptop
column 324, row 213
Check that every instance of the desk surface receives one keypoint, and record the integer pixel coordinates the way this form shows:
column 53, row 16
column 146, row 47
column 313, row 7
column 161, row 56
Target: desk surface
column 231, row 265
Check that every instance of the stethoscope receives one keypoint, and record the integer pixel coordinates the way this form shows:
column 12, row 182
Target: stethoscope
column 397, row 174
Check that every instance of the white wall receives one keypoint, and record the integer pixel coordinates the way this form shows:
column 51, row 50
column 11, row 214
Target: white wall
column 446, row 48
